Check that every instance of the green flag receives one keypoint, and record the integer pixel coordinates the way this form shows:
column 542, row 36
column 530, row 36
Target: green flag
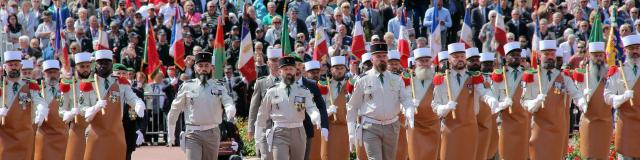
column 218, row 52
column 596, row 34
column 285, row 43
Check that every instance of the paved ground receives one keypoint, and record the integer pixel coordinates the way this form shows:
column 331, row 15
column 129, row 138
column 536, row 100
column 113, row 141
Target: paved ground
column 161, row 153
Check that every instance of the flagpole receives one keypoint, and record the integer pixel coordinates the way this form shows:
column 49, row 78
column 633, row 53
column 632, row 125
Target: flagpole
column 73, row 86
column 624, row 79
column 446, row 74
column 97, row 86
column 331, row 96
column 506, row 85
column 4, row 97
column 540, row 83
column 44, row 95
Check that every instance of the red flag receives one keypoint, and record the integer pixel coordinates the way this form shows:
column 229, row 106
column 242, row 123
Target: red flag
column 152, row 59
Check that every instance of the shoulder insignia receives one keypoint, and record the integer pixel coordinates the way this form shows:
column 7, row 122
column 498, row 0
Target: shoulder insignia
column 323, row 86
column 123, row 81
column 259, row 78
column 351, row 85
column 362, row 74
column 477, row 79
column 274, row 85
column 567, row 72
column 438, row 79
column 496, row 75
column 86, row 86
column 578, row 75
column 64, row 87
column 191, row 80
column 527, row 77
column 612, row 71
column 33, row 86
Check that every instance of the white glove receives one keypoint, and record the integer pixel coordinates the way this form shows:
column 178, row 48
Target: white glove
column 315, row 119
column 620, row 99
column 443, row 110
column 535, row 104
column 3, row 111
column 587, row 91
column 67, row 116
column 582, row 104
column 503, row 105
column 140, row 139
column 41, row 114
column 92, row 111
column 258, row 134
column 331, row 110
column 325, row 134
column 75, row 111
column 493, row 103
column 174, row 81
column 231, row 113
column 234, row 146
column 409, row 114
column 140, row 107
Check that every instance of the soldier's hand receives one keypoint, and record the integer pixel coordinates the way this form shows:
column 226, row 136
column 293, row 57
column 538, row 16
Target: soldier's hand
column 325, row 134
column 331, row 110
column 3, row 111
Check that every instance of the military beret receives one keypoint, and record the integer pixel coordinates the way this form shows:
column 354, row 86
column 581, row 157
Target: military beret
column 119, row 67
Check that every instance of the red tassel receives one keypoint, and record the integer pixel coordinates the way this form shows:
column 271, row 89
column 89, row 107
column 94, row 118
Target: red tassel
column 527, row 77
column 86, row 86
column 64, row 87
column 34, row 86
column 497, row 77
column 612, row 71
column 324, row 90
column 438, row 79
column 407, row 81
column 567, row 72
column 350, row 86
column 122, row 80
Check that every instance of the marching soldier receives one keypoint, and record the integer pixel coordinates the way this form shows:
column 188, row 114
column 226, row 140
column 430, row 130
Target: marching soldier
column 201, row 99
column 394, row 63
column 51, row 137
column 620, row 88
column 595, row 126
column 443, row 61
column 460, row 133
column 488, row 141
column 19, row 99
column 314, row 143
column 549, row 123
column 334, row 147
column 27, row 69
column 285, row 104
column 376, row 100
column 365, row 65
column 83, row 99
column 259, row 89
column 396, row 68
column 427, row 123
column 106, row 137
column 515, row 127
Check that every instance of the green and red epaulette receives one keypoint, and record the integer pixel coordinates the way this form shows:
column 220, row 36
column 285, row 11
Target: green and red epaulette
column 612, row 70
column 438, row 79
column 528, row 75
column 567, row 72
column 323, row 86
column 122, row 80
column 33, row 85
column 477, row 78
column 406, row 78
column 65, row 85
column 351, row 85
column 496, row 76
column 578, row 75
column 86, row 86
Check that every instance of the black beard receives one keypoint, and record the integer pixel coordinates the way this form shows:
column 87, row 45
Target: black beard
column 474, row 67
column 382, row 67
column 203, row 78
column 514, row 64
column 288, row 79
column 13, row 74
column 458, row 66
column 338, row 78
column 84, row 75
column 549, row 64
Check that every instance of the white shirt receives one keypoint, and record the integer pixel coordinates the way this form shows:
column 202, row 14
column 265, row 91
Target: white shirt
column 378, row 100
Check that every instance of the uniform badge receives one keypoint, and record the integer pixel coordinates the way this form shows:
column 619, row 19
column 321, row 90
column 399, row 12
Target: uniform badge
column 369, row 93
column 299, row 102
column 216, row 92
column 24, row 99
column 81, row 99
column 113, row 97
column 470, row 88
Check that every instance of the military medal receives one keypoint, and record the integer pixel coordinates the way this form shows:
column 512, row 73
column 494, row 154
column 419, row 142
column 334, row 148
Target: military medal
column 113, row 97
column 470, row 88
column 299, row 102
column 132, row 114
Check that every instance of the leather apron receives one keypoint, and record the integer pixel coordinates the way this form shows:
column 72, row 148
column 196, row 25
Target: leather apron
column 484, row 128
column 401, row 145
column 77, row 140
column 495, row 137
column 460, row 135
column 17, row 134
column 424, row 139
column 515, row 131
column 549, row 125
column 51, row 138
column 106, row 136
column 596, row 127
column 335, row 148
column 627, row 141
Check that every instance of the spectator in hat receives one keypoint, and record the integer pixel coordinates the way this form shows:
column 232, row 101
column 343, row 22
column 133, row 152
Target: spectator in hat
column 189, row 43
column 45, row 29
column 132, row 56
column 164, row 46
column 260, row 33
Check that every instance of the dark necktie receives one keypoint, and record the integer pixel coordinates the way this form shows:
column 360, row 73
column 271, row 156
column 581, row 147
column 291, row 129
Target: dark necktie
column 549, row 75
column 598, row 73
column 459, row 77
column 288, row 90
column 635, row 69
column 106, row 84
column 381, row 76
column 515, row 75
column 15, row 88
column 422, row 82
column 53, row 91
column 339, row 85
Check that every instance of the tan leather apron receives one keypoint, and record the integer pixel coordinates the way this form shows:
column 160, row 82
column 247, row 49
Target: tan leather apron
column 628, row 126
column 106, row 136
column 596, row 127
column 51, row 138
column 17, row 134
column 401, row 146
column 77, row 140
column 515, row 131
column 547, row 137
column 460, row 135
column 484, row 128
column 424, row 139
column 495, row 137
column 316, row 145
column 335, row 147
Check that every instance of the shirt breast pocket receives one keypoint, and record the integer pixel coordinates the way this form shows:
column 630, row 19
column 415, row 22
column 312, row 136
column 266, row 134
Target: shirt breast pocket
column 192, row 96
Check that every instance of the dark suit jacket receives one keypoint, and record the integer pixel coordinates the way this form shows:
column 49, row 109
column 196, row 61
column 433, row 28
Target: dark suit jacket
column 317, row 98
column 517, row 30
column 477, row 22
column 131, row 126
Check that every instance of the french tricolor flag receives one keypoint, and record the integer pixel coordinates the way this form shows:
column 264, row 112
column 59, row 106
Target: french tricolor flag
column 357, row 43
column 321, row 48
column 403, row 41
column 435, row 31
column 500, row 37
column 466, row 34
column 177, row 43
